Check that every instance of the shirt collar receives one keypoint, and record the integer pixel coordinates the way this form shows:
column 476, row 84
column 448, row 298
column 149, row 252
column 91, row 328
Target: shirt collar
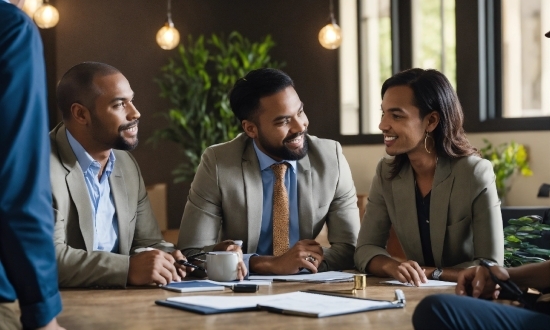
column 84, row 158
column 266, row 161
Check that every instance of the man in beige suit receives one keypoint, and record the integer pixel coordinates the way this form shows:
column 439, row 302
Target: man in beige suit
column 232, row 195
column 102, row 213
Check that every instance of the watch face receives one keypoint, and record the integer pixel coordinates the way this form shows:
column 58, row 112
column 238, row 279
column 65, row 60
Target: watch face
column 436, row 274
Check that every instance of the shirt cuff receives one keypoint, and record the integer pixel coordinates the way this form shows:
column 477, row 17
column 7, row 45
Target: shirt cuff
column 38, row 315
column 246, row 260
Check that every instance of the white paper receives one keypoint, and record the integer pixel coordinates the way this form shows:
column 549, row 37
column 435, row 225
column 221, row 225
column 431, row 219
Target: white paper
column 222, row 302
column 321, row 305
column 239, row 282
column 331, row 276
column 429, row 283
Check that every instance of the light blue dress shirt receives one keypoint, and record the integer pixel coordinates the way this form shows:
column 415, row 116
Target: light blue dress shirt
column 265, row 244
column 99, row 190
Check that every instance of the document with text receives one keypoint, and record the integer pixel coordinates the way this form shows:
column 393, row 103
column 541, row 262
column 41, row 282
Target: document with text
column 429, row 283
column 331, row 276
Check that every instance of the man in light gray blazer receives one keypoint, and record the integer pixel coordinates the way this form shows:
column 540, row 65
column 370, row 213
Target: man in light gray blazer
column 102, row 213
column 232, row 194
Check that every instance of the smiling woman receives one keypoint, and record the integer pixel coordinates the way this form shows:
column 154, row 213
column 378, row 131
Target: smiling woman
column 436, row 172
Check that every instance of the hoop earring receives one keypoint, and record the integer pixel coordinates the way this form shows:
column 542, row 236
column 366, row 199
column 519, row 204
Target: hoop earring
column 425, row 142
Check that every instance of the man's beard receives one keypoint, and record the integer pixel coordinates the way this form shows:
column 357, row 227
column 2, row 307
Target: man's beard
column 283, row 152
column 122, row 144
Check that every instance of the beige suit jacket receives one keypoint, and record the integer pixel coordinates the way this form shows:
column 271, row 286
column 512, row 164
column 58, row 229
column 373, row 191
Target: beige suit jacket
column 225, row 200
column 465, row 217
column 78, row 264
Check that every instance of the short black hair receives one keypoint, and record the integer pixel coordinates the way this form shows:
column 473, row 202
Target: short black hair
column 76, row 85
column 247, row 91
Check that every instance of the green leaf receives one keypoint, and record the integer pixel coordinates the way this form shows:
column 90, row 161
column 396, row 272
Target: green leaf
column 513, row 239
column 539, row 251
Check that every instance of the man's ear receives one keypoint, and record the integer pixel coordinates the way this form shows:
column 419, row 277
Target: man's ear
column 80, row 113
column 250, row 128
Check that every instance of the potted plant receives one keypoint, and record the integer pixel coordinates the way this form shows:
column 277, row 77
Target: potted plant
column 507, row 159
column 520, row 241
column 197, row 83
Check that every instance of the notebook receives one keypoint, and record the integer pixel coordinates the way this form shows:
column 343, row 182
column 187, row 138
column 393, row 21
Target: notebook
column 193, row 286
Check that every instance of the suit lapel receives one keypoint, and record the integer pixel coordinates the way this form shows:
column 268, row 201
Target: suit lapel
column 305, row 198
column 253, row 191
column 77, row 187
column 405, row 209
column 120, row 197
column 439, row 205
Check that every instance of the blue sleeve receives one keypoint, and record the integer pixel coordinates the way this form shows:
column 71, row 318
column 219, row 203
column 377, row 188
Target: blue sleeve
column 28, row 269
column 246, row 260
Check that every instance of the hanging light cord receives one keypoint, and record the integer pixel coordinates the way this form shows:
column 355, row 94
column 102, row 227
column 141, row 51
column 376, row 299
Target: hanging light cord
column 332, row 20
column 169, row 13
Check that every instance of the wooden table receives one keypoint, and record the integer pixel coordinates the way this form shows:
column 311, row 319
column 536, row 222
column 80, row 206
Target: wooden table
column 134, row 308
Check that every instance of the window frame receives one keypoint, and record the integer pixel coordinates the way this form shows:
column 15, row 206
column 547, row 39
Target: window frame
column 479, row 79
column 479, row 73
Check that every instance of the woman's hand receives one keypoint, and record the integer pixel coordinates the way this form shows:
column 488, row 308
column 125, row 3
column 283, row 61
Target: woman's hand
column 406, row 272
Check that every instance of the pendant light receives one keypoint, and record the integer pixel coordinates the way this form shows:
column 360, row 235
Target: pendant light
column 330, row 36
column 168, row 37
column 30, row 7
column 46, row 16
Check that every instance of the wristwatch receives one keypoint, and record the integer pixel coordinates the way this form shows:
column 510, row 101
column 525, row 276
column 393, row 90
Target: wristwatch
column 437, row 274
column 487, row 263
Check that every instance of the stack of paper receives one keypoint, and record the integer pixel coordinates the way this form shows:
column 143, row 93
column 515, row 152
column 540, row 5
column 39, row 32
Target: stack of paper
column 318, row 277
column 429, row 283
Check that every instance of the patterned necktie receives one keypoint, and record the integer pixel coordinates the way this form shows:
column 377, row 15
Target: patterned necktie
column 280, row 210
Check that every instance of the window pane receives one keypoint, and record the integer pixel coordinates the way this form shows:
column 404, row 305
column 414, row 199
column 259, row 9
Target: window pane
column 524, row 75
column 434, row 36
column 376, row 59
column 349, row 68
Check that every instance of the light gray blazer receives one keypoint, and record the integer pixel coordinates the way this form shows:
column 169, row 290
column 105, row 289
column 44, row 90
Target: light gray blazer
column 78, row 264
column 226, row 197
column 465, row 217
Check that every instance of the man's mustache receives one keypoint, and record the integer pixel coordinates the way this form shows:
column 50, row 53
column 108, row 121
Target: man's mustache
column 293, row 136
column 126, row 126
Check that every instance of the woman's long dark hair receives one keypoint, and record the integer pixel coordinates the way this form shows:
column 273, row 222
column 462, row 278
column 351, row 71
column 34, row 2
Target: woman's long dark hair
column 433, row 92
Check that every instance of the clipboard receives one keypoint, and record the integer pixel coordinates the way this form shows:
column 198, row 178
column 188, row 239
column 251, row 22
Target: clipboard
column 202, row 309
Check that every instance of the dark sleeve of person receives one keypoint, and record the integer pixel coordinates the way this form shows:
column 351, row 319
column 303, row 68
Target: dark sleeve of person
column 28, row 269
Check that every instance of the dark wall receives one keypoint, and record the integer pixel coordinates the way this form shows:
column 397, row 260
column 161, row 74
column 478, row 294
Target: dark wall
column 122, row 33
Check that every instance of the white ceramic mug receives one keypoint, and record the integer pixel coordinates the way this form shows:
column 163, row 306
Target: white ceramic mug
column 222, row 265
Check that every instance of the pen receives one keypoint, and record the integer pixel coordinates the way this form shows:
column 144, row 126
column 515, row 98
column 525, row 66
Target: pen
column 399, row 297
column 188, row 264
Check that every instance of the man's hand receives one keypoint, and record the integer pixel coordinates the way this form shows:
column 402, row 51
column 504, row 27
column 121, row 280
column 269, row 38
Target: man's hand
column 150, row 267
column 229, row 245
column 182, row 270
column 477, row 282
column 53, row 325
column 406, row 272
column 304, row 254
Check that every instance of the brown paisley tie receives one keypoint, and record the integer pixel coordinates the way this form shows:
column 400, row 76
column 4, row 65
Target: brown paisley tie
column 280, row 210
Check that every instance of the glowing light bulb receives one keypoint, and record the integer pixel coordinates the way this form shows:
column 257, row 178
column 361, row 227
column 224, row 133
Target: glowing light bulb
column 168, row 37
column 30, row 6
column 46, row 16
column 330, row 36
